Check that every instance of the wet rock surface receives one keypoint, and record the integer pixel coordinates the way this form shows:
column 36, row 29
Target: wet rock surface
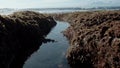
column 21, row 33
column 94, row 39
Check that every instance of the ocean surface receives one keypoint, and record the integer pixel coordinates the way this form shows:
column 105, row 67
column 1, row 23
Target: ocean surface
column 56, row 10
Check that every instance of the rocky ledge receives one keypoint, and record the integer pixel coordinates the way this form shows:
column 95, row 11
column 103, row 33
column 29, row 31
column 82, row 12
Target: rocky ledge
column 21, row 33
column 94, row 39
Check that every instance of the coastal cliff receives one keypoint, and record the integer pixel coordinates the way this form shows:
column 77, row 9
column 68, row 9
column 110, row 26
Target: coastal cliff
column 21, row 33
column 94, row 38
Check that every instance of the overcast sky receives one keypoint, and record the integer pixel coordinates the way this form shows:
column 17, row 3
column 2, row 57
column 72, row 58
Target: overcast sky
column 56, row 3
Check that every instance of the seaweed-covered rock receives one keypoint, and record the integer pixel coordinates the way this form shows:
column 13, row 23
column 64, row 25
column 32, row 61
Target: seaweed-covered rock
column 94, row 39
column 21, row 33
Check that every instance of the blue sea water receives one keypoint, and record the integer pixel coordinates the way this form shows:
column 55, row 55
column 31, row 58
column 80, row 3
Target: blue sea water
column 56, row 10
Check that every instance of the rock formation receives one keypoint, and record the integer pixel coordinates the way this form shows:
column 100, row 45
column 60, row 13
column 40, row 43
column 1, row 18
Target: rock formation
column 21, row 33
column 94, row 39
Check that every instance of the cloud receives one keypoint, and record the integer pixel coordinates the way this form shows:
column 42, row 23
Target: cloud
column 56, row 3
column 32, row 3
column 105, row 3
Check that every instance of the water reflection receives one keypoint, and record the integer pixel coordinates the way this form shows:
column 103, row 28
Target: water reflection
column 52, row 54
column 16, row 59
column 49, row 40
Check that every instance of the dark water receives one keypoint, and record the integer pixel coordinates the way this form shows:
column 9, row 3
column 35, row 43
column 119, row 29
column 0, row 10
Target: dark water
column 51, row 54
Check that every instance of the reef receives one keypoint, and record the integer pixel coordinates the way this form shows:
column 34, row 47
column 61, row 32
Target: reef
column 94, row 38
column 21, row 33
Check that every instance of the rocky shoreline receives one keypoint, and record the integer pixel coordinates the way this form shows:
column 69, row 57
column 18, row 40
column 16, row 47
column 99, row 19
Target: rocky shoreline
column 21, row 33
column 94, row 38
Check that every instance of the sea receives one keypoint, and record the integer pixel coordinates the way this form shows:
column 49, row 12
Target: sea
column 5, row 11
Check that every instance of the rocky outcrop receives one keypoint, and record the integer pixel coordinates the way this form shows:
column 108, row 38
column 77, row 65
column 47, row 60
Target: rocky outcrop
column 94, row 39
column 21, row 33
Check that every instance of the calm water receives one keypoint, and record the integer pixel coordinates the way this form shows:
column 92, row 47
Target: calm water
column 51, row 54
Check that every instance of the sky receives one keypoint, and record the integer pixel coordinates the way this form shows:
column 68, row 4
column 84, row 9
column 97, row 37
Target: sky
column 56, row 3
